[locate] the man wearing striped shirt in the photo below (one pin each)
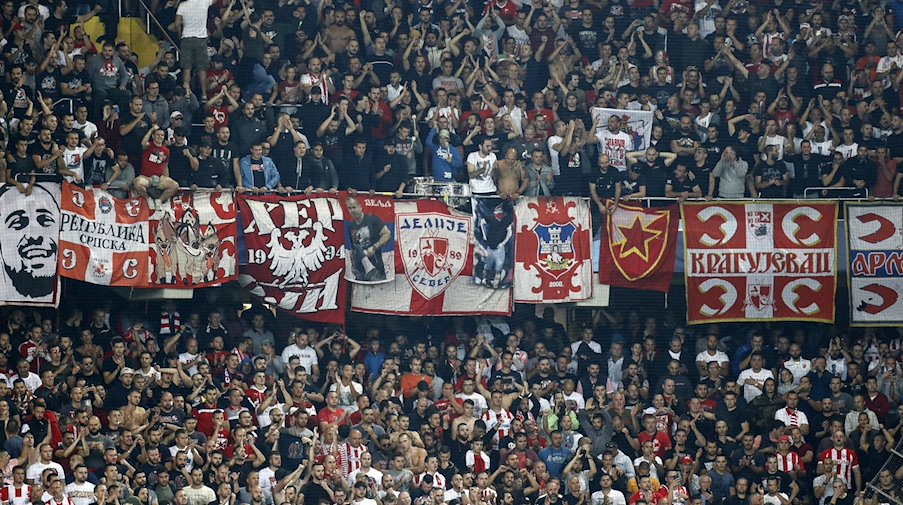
(844, 461)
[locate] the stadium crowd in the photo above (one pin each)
(748, 99)
(762, 99)
(191, 407)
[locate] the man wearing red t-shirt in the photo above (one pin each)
(203, 413)
(155, 166)
(332, 414)
(661, 442)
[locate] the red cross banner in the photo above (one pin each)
(553, 261)
(103, 240)
(638, 248)
(296, 254)
(774, 261)
(434, 268)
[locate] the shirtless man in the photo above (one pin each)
(338, 33)
(512, 180)
(414, 456)
(466, 419)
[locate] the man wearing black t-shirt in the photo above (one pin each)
(606, 185)
(633, 186)
(806, 169)
(653, 164)
(681, 186)
(771, 175)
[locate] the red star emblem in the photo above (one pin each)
(637, 237)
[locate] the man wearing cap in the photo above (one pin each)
(446, 158)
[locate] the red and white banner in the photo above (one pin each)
(103, 240)
(638, 248)
(434, 268)
(875, 268)
(760, 261)
(553, 262)
(296, 254)
(193, 240)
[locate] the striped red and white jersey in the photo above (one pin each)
(501, 419)
(789, 462)
(349, 458)
(845, 460)
(12, 495)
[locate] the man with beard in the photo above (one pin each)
(368, 236)
(27, 247)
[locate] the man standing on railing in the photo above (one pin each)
(191, 22)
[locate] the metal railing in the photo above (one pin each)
(152, 21)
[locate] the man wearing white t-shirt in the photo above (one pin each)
(556, 143)
(480, 169)
(305, 353)
(615, 143)
(80, 491)
(374, 476)
(711, 353)
(74, 157)
(191, 20)
(753, 378)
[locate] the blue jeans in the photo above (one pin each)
(261, 81)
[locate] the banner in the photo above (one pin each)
(760, 261)
(103, 240)
(29, 242)
(636, 123)
(875, 239)
(638, 248)
(369, 238)
(493, 252)
(193, 240)
(553, 259)
(434, 268)
(296, 254)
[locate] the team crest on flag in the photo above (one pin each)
(432, 262)
(759, 222)
(434, 268)
(556, 248)
(759, 296)
(638, 248)
(553, 260)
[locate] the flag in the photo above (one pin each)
(493, 252)
(636, 123)
(760, 261)
(29, 242)
(369, 238)
(193, 240)
(875, 269)
(295, 254)
(638, 248)
(434, 268)
(103, 240)
(553, 260)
